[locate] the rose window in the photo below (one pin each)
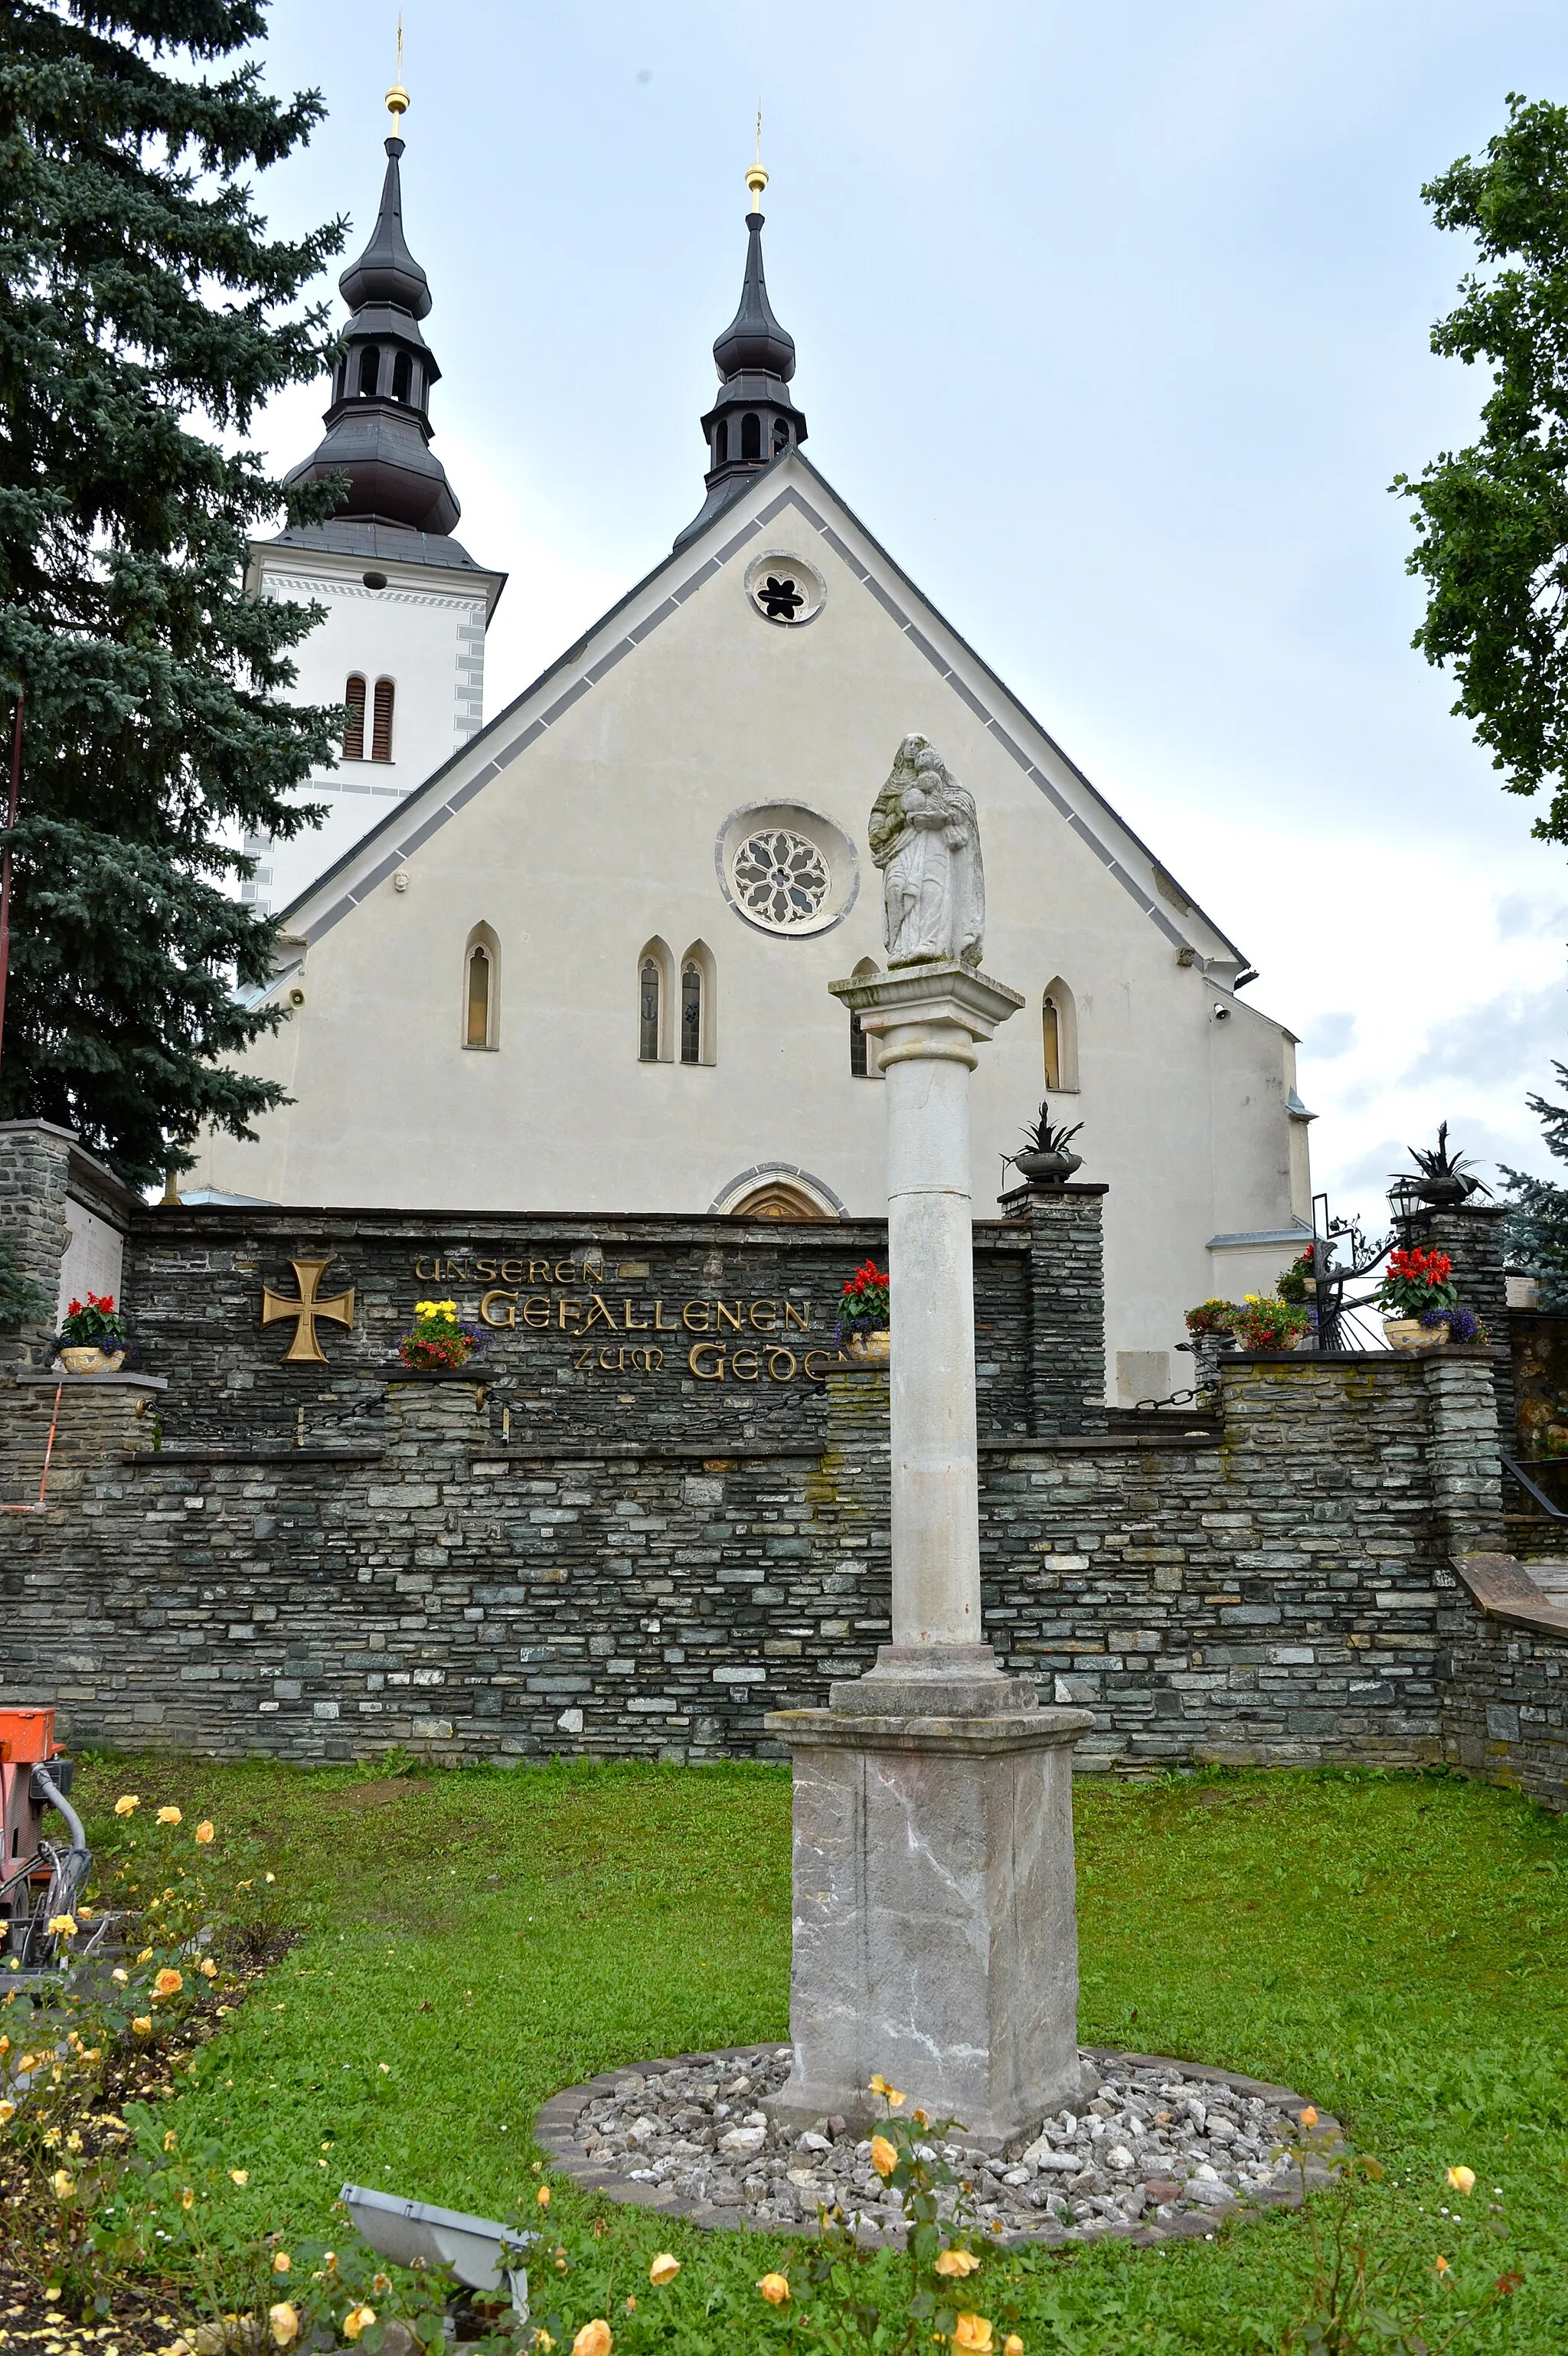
(780, 878)
(779, 598)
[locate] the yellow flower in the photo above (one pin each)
(542, 2342)
(957, 2262)
(974, 2331)
(123, 1977)
(142, 2024)
(7, 2113)
(145, 1956)
(207, 1968)
(884, 2159)
(282, 2262)
(1463, 2180)
(202, 1833)
(238, 2176)
(1012, 2345)
(878, 2084)
(284, 2323)
(595, 2338)
(774, 2289)
(61, 1926)
(894, 2098)
(170, 2140)
(380, 2282)
(169, 1816)
(127, 1804)
(542, 2196)
(187, 2198)
(1444, 2267)
(85, 1913)
(1309, 2116)
(62, 2183)
(168, 1983)
(663, 2269)
(357, 2319)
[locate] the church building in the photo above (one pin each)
(576, 959)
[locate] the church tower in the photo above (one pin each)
(408, 608)
(754, 418)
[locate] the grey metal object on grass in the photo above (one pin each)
(476, 2248)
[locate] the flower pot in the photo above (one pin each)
(1408, 1333)
(87, 1358)
(436, 1357)
(868, 1349)
(1442, 1193)
(1045, 1169)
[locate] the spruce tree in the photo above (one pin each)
(144, 315)
(1538, 1208)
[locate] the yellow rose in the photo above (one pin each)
(885, 2157)
(1444, 2267)
(1012, 2345)
(62, 2184)
(61, 1926)
(145, 1956)
(283, 2320)
(974, 2331)
(204, 1833)
(282, 2262)
(957, 2262)
(1309, 2116)
(168, 1983)
(542, 2196)
(1463, 2180)
(169, 1816)
(357, 2319)
(142, 2024)
(594, 2340)
(127, 1804)
(238, 2176)
(663, 2269)
(774, 2289)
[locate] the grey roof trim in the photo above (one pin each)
(507, 747)
(1263, 1235)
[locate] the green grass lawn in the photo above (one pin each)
(1397, 1948)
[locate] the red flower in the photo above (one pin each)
(73, 1309)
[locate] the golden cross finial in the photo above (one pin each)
(304, 1349)
(398, 97)
(756, 179)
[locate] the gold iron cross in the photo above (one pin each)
(304, 1349)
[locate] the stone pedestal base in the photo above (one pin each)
(935, 1925)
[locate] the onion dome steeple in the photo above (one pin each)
(378, 428)
(754, 420)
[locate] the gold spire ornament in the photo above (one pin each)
(398, 97)
(756, 179)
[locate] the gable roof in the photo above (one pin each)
(776, 492)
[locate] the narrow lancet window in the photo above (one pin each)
(1051, 1020)
(402, 375)
(354, 735)
(691, 1013)
(750, 435)
(381, 731)
(648, 1012)
(369, 369)
(478, 1027)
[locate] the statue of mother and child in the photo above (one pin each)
(925, 837)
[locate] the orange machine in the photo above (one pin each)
(40, 1877)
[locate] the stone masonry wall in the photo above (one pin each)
(35, 1173)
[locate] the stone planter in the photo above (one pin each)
(1408, 1333)
(868, 1349)
(1047, 1169)
(87, 1358)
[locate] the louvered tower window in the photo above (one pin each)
(354, 735)
(381, 729)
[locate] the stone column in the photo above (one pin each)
(934, 1931)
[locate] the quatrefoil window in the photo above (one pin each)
(780, 879)
(778, 595)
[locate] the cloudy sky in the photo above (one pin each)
(1113, 325)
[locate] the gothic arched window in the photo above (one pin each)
(690, 1012)
(750, 435)
(402, 375)
(481, 992)
(369, 369)
(354, 735)
(1059, 1028)
(382, 726)
(649, 994)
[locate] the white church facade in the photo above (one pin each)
(583, 965)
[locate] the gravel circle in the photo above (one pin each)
(1164, 2149)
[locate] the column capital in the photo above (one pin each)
(935, 1001)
